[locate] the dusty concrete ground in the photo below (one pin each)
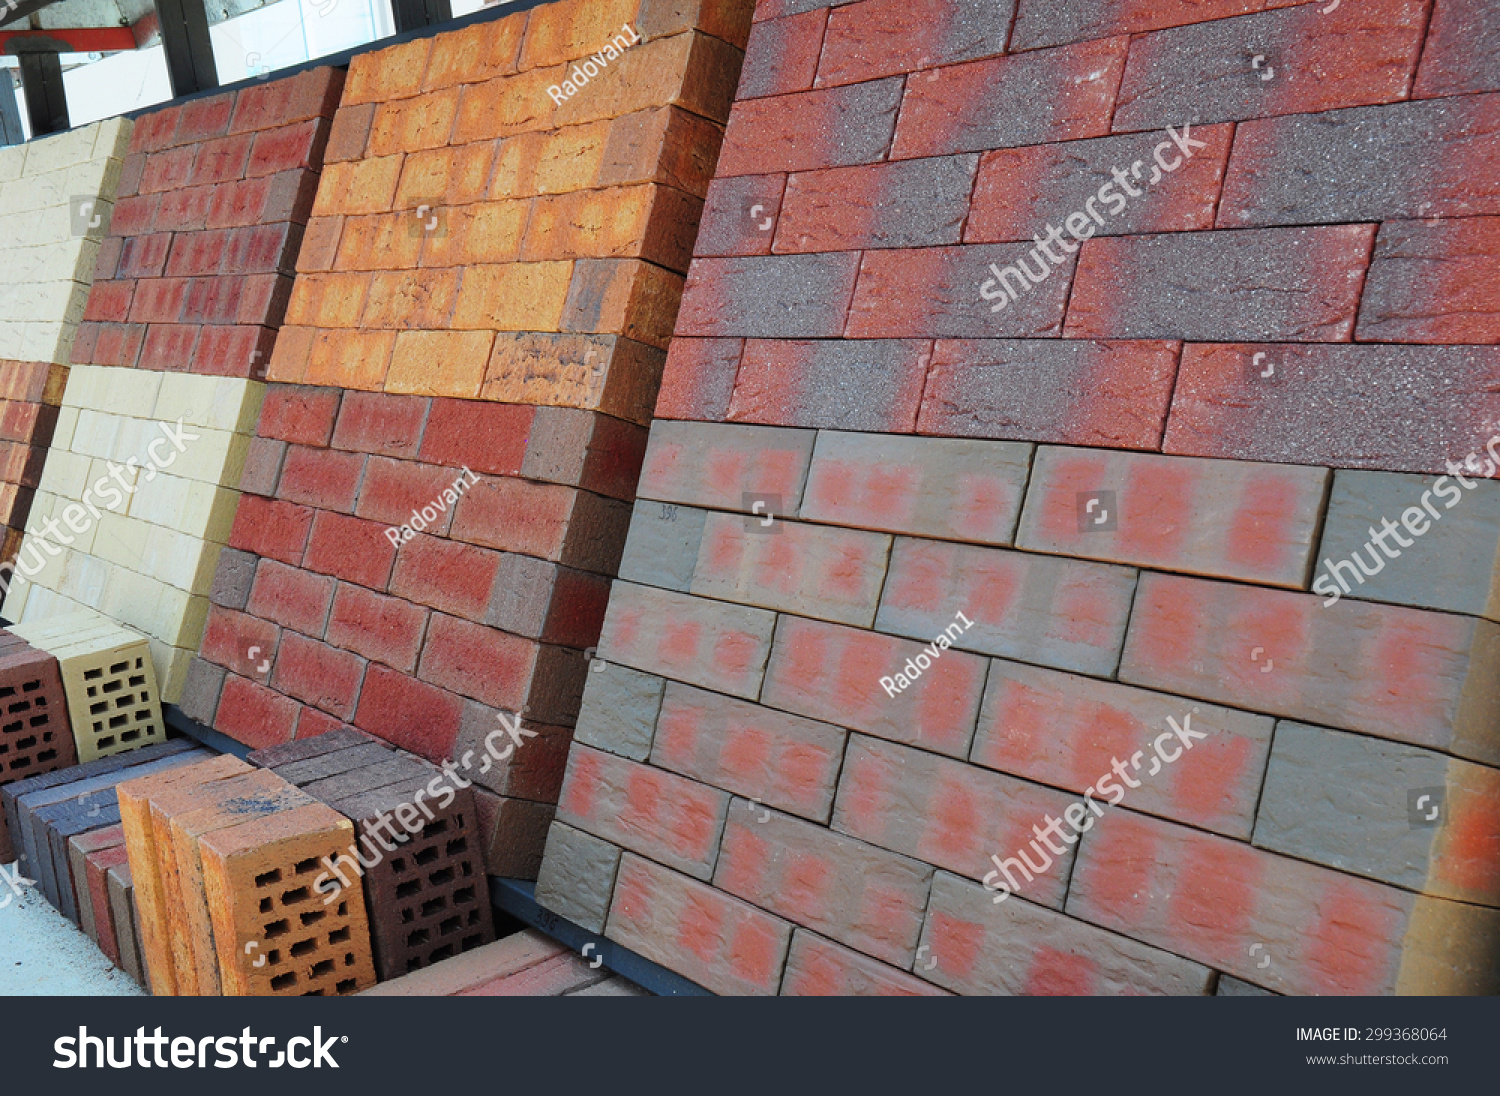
(43, 955)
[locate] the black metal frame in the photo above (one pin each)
(416, 14)
(185, 41)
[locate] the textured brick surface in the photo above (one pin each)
(1253, 522)
(846, 889)
(1062, 613)
(1019, 948)
(1355, 803)
(1450, 566)
(1426, 282)
(1276, 284)
(1346, 406)
(1073, 392)
(816, 967)
(920, 805)
(578, 875)
(1315, 61)
(1067, 731)
(1325, 932)
(1365, 164)
(720, 942)
(883, 347)
(1406, 674)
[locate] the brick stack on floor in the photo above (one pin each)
(65, 826)
(416, 848)
(934, 562)
(524, 964)
(138, 492)
(56, 194)
(438, 492)
(226, 859)
(36, 736)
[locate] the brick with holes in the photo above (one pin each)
(35, 736)
(136, 797)
(260, 881)
(428, 896)
(256, 794)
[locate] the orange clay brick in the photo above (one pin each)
(381, 241)
(625, 297)
(515, 297)
(320, 243)
(448, 176)
(135, 798)
(233, 802)
(574, 29)
(387, 74)
(595, 372)
(439, 363)
(552, 162)
(406, 299)
(590, 224)
(309, 947)
(479, 52)
(358, 186)
(410, 125)
(290, 355)
(485, 232)
(350, 359)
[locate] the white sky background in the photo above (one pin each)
(269, 38)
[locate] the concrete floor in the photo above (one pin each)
(43, 955)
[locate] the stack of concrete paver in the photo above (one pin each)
(1051, 572)
(524, 964)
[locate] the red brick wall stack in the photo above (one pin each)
(488, 282)
(1111, 490)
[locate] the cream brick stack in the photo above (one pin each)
(149, 561)
(47, 253)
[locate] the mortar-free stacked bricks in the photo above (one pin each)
(427, 895)
(35, 735)
(225, 858)
(747, 803)
(65, 828)
(138, 492)
(439, 490)
(56, 194)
